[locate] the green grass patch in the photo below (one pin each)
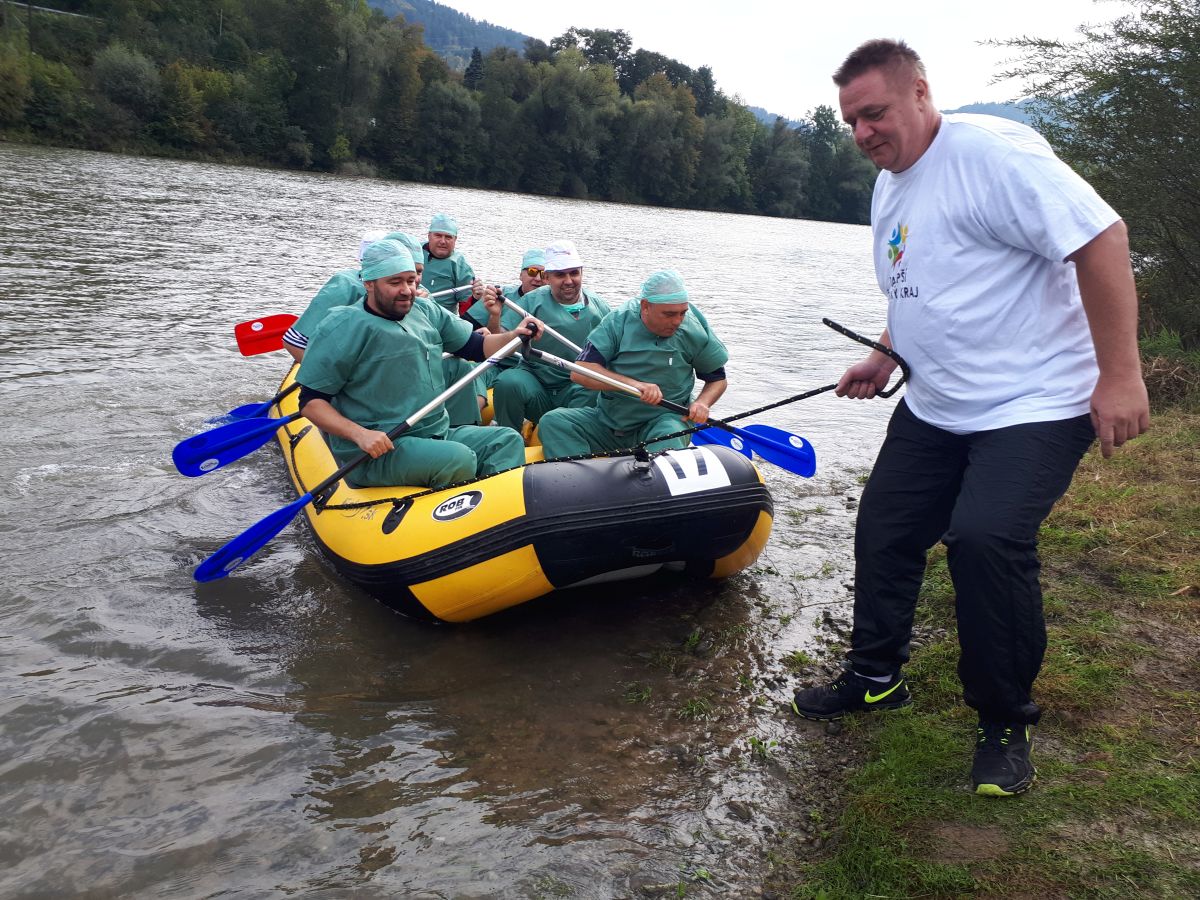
(1116, 809)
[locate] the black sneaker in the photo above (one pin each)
(850, 693)
(1002, 766)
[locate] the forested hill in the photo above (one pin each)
(450, 33)
(335, 85)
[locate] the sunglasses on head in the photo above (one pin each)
(535, 272)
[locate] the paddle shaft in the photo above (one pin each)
(421, 413)
(605, 379)
(266, 407)
(550, 331)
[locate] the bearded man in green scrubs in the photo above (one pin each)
(343, 287)
(659, 344)
(371, 365)
(531, 389)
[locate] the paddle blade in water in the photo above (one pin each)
(249, 542)
(247, 411)
(253, 410)
(784, 449)
(724, 438)
(262, 335)
(210, 450)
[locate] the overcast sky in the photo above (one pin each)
(779, 54)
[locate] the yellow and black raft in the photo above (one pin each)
(468, 551)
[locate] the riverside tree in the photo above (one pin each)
(1121, 104)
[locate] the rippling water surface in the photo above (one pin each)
(279, 732)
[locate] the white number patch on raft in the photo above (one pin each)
(457, 506)
(692, 470)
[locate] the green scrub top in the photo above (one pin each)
(632, 350)
(576, 326)
(342, 289)
(508, 321)
(509, 318)
(381, 371)
(440, 274)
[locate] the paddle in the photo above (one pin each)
(263, 335)
(250, 541)
(724, 438)
(794, 454)
(209, 451)
(266, 334)
(550, 331)
(253, 410)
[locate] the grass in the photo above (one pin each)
(697, 709)
(1116, 809)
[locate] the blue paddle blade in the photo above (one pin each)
(724, 438)
(249, 542)
(210, 450)
(248, 411)
(784, 449)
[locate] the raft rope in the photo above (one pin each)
(638, 451)
(321, 504)
(840, 329)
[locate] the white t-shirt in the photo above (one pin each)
(969, 249)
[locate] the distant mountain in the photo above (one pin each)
(449, 33)
(1018, 112)
(768, 118)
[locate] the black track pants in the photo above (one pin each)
(985, 495)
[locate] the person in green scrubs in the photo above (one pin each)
(371, 365)
(342, 288)
(502, 318)
(657, 343)
(446, 267)
(531, 389)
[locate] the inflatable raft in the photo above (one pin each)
(465, 552)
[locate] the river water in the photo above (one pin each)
(279, 732)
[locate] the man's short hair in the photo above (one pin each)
(880, 53)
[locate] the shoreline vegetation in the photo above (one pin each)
(336, 86)
(1116, 809)
(339, 87)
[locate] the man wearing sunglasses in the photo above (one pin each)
(531, 277)
(501, 318)
(529, 390)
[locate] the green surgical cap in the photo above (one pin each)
(384, 258)
(445, 224)
(414, 246)
(664, 287)
(533, 258)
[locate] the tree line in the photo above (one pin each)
(338, 86)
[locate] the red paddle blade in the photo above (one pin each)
(263, 335)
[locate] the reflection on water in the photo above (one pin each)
(279, 732)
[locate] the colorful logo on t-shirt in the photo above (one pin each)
(897, 242)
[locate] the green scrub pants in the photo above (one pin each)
(571, 432)
(468, 451)
(517, 395)
(463, 407)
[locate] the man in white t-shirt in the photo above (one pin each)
(1011, 296)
